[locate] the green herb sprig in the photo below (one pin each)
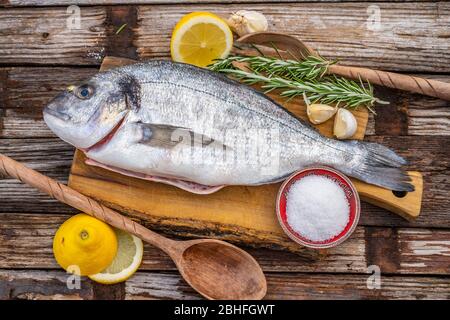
(300, 78)
(312, 67)
(121, 28)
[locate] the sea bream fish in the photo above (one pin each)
(198, 130)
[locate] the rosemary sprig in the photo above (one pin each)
(328, 90)
(300, 78)
(312, 67)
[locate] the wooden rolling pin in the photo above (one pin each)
(428, 87)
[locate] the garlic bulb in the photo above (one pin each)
(345, 124)
(244, 22)
(319, 113)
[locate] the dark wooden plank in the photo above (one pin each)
(412, 114)
(422, 248)
(42, 36)
(318, 286)
(27, 244)
(12, 3)
(382, 249)
(41, 285)
(3, 94)
(36, 284)
(391, 119)
(24, 126)
(402, 250)
(300, 286)
(49, 156)
(337, 30)
(413, 36)
(27, 240)
(15, 196)
(427, 116)
(53, 285)
(427, 153)
(28, 89)
(167, 286)
(25, 91)
(122, 44)
(428, 156)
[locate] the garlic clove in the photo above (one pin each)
(244, 22)
(345, 124)
(319, 113)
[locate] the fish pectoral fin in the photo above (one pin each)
(160, 135)
(168, 136)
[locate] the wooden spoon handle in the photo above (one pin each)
(432, 88)
(77, 200)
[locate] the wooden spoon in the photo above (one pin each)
(292, 48)
(216, 269)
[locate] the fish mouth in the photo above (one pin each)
(56, 114)
(106, 138)
(55, 107)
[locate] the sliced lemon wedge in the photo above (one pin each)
(199, 38)
(128, 259)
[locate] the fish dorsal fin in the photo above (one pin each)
(168, 136)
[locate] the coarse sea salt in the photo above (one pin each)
(317, 208)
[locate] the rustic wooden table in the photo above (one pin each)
(40, 55)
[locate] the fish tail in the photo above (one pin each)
(380, 166)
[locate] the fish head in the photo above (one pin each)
(85, 114)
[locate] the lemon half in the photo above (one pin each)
(84, 244)
(199, 38)
(127, 261)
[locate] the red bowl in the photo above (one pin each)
(352, 198)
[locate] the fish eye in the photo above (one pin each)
(84, 92)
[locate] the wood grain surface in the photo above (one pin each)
(39, 284)
(413, 36)
(39, 57)
(18, 3)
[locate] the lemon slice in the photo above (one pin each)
(126, 262)
(199, 38)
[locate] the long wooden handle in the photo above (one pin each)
(77, 200)
(405, 204)
(432, 88)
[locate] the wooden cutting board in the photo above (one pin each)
(236, 213)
